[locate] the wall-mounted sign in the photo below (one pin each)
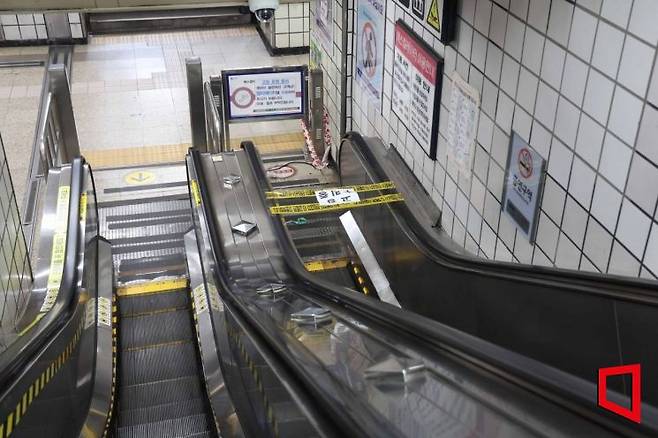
(325, 22)
(370, 46)
(264, 93)
(524, 182)
(418, 7)
(416, 94)
(464, 107)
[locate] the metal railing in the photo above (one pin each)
(55, 143)
(214, 123)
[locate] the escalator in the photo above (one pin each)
(160, 385)
(455, 347)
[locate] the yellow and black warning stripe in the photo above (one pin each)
(308, 193)
(196, 194)
(317, 208)
(150, 287)
(326, 264)
(12, 420)
(115, 348)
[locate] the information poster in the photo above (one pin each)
(371, 20)
(524, 184)
(267, 94)
(325, 22)
(416, 94)
(462, 124)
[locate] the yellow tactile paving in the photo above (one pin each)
(169, 153)
(268, 144)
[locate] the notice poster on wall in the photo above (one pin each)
(416, 94)
(524, 182)
(264, 94)
(371, 20)
(325, 22)
(464, 106)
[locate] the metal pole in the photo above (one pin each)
(59, 86)
(195, 94)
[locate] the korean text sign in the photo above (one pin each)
(265, 95)
(416, 94)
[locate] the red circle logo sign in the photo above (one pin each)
(369, 49)
(525, 163)
(243, 97)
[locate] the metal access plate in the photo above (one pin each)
(244, 228)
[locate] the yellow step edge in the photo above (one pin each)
(152, 287)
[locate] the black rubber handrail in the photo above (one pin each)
(635, 290)
(560, 387)
(22, 352)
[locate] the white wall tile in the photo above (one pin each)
(559, 162)
(514, 38)
(592, 5)
(547, 236)
(11, 33)
(622, 262)
(553, 200)
(519, 8)
(651, 256)
(527, 89)
(615, 160)
(553, 64)
(583, 31)
(643, 20)
(566, 122)
(498, 26)
(633, 228)
(598, 244)
(483, 16)
(568, 255)
(608, 49)
(538, 14)
(598, 96)
(533, 49)
(636, 63)
(546, 105)
(625, 115)
(575, 79)
(559, 24)
(646, 141)
(581, 184)
(617, 11)
(589, 140)
(605, 204)
(574, 221)
(509, 78)
(642, 177)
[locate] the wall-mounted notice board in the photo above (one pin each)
(417, 84)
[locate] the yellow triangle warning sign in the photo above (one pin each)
(433, 17)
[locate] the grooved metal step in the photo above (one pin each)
(158, 393)
(152, 303)
(158, 363)
(162, 412)
(156, 328)
(176, 427)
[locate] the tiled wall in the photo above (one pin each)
(15, 273)
(17, 27)
(330, 56)
(576, 79)
(290, 27)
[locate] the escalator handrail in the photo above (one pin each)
(636, 290)
(570, 391)
(26, 347)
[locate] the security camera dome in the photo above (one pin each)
(264, 15)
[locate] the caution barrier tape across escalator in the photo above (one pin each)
(308, 193)
(317, 208)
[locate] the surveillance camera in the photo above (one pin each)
(263, 9)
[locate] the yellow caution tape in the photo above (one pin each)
(152, 287)
(58, 251)
(196, 194)
(326, 265)
(307, 193)
(83, 206)
(317, 208)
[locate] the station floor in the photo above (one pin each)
(130, 97)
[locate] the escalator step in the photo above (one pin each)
(156, 413)
(157, 328)
(140, 304)
(159, 393)
(177, 427)
(158, 363)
